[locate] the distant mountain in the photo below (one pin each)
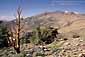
(65, 21)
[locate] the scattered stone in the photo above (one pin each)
(81, 55)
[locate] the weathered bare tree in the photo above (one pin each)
(17, 43)
(16, 30)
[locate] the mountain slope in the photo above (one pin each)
(66, 22)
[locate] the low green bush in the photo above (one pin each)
(40, 35)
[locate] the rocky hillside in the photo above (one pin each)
(64, 21)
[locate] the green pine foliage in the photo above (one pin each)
(40, 34)
(3, 36)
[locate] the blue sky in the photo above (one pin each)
(33, 7)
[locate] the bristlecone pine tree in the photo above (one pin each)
(17, 43)
(16, 31)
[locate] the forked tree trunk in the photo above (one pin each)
(17, 40)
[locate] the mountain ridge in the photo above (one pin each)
(57, 19)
